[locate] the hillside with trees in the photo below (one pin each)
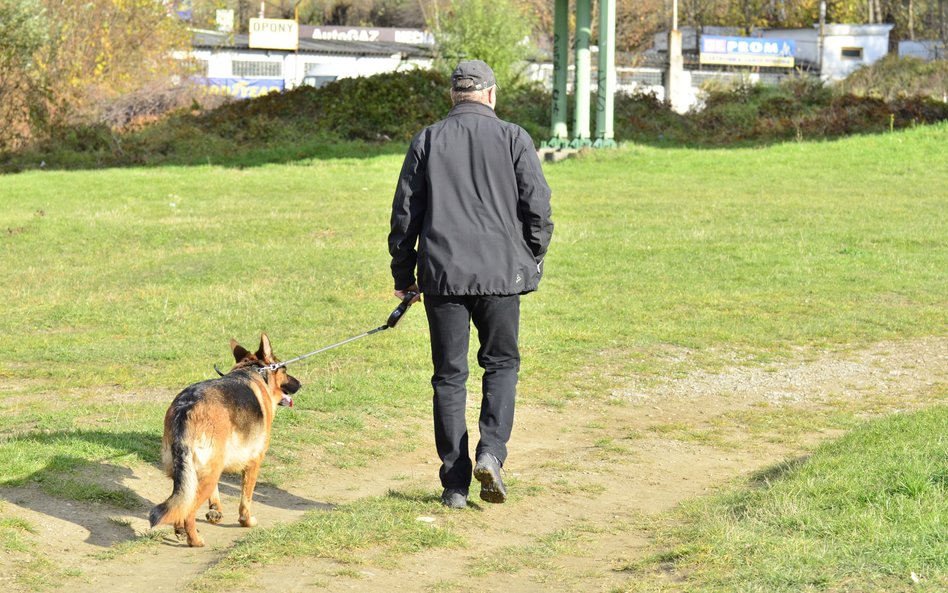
(114, 65)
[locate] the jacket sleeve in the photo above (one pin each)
(408, 212)
(534, 197)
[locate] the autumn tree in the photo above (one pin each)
(102, 49)
(23, 31)
(64, 62)
(374, 13)
(636, 22)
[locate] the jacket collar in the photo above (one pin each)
(471, 107)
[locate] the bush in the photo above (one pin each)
(390, 106)
(386, 106)
(802, 108)
(642, 117)
(528, 106)
(893, 78)
(381, 113)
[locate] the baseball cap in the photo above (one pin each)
(472, 75)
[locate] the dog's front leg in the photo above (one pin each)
(246, 494)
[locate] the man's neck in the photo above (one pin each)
(473, 102)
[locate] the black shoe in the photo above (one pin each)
(454, 498)
(487, 472)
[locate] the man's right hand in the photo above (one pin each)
(401, 294)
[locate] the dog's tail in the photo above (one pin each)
(177, 506)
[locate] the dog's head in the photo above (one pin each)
(286, 385)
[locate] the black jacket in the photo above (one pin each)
(472, 194)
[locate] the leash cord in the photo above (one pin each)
(392, 320)
(278, 365)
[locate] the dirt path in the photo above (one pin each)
(585, 480)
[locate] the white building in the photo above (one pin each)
(229, 66)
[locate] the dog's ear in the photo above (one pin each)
(264, 352)
(240, 353)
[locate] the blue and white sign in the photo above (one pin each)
(747, 51)
(242, 88)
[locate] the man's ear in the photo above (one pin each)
(240, 353)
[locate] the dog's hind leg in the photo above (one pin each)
(190, 526)
(246, 493)
(207, 486)
(214, 514)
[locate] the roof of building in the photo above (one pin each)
(217, 40)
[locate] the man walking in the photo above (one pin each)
(471, 195)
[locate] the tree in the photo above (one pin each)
(376, 13)
(497, 32)
(102, 49)
(637, 21)
(65, 62)
(23, 31)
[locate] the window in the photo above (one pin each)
(256, 69)
(317, 81)
(851, 53)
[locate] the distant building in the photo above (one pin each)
(845, 47)
(228, 65)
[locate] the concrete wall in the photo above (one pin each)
(806, 38)
(650, 80)
(927, 50)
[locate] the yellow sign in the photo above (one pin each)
(274, 34)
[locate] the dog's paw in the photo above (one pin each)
(196, 542)
(214, 516)
(180, 532)
(248, 521)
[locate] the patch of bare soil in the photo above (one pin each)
(585, 480)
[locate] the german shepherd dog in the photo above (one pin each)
(216, 426)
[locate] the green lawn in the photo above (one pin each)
(122, 286)
(867, 512)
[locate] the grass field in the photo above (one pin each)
(864, 513)
(121, 286)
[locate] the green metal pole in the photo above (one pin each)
(581, 136)
(606, 91)
(558, 127)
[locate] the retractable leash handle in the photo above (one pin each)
(400, 310)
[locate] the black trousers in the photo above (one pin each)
(497, 319)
